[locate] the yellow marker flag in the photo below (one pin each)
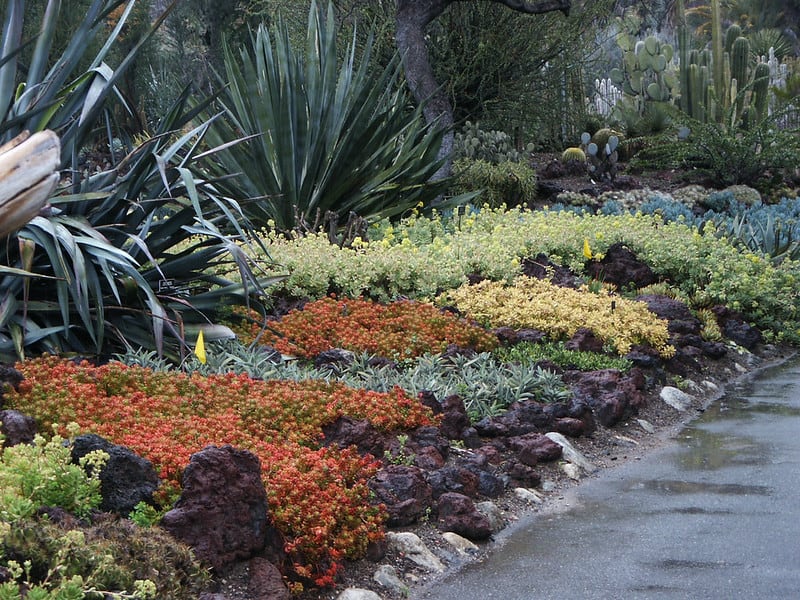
(200, 348)
(587, 251)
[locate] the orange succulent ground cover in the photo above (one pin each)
(398, 330)
(318, 496)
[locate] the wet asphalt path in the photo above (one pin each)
(715, 516)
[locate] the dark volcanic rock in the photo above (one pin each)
(454, 417)
(533, 448)
(345, 431)
(584, 340)
(526, 475)
(404, 491)
(125, 480)
(680, 317)
(457, 513)
(612, 395)
(16, 427)
(735, 328)
(621, 267)
(453, 478)
(9, 377)
(266, 581)
(222, 511)
(541, 267)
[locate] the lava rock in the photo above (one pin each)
(453, 478)
(17, 428)
(222, 510)
(266, 581)
(457, 513)
(125, 480)
(454, 417)
(534, 448)
(404, 491)
(621, 267)
(345, 432)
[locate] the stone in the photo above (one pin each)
(533, 448)
(457, 513)
(345, 432)
(569, 426)
(453, 478)
(125, 480)
(404, 491)
(222, 510)
(570, 453)
(677, 399)
(461, 544)
(523, 474)
(572, 471)
(358, 594)
(493, 513)
(646, 425)
(612, 395)
(621, 267)
(386, 576)
(412, 547)
(16, 427)
(454, 417)
(527, 495)
(266, 581)
(584, 340)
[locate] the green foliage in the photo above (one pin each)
(42, 474)
(507, 183)
(761, 155)
(323, 135)
(99, 561)
(121, 250)
(527, 353)
(54, 560)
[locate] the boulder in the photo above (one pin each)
(533, 448)
(266, 581)
(345, 432)
(621, 267)
(457, 513)
(16, 428)
(222, 510)
(125, 480)
(404, 491)
(453, 478)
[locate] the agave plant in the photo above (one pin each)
(125, 257)
(326, 137)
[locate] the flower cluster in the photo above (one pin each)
(318, 497)
(398, 330)
(560, 311)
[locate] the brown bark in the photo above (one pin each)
(413, 18)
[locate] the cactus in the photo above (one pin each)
(492, 146)
(761, 90)
(740, 57)
(573, 154)
(602, 154)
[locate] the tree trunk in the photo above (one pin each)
(413, 18)
(28, 176)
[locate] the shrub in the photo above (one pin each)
(527, 353)
(561, 312)
(507, 183)
(325, 134)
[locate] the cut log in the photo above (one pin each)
(28, 177)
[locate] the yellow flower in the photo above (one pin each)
(587, 251)
(200, 348)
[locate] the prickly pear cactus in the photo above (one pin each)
(491, 146)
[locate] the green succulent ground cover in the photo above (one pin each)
(423, 255)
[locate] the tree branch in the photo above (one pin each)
(535, 8)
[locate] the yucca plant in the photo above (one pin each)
(325, 136)
(122, 259)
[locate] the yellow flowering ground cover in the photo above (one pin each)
(559, 311)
